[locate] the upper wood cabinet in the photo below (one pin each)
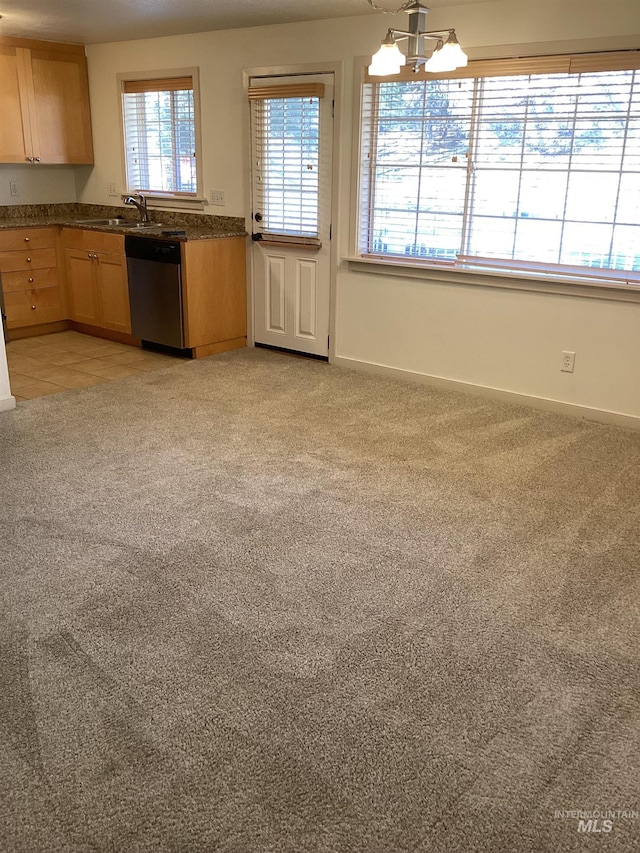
(44, 103)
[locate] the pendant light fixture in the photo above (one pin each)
(446, 54)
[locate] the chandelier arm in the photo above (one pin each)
(436, 35)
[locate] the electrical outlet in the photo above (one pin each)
(13, 189)
(111, 188)
(568, 362)
(217, 197)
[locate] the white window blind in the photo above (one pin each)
(285, 123)
(159, 131)
(530, 169)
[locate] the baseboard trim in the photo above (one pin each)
(220, 346)
(35, 331)
(585, 413)
(105, 334)
(7, 404)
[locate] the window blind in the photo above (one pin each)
(285, 126)
(531, 161)
(159, 131)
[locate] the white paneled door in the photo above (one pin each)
(291, 139)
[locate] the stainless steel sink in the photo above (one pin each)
(142, 226)
(118, 222)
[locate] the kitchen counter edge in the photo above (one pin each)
(191, 232)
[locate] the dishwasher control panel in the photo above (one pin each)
(152, 249)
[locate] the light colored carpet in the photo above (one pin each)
(256, 603)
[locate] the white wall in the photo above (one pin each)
(481, 336)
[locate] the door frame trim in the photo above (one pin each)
(335, 68)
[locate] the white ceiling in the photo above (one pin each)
(98, 21)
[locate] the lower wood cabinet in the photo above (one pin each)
(97, 285)
(28, 264)
(214, 294)
(51, 276)
(32, 307)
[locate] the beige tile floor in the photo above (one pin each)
(50, 364)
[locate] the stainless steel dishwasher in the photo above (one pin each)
(155, 290)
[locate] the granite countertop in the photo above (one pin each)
(196, 226)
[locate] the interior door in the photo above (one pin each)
(292, 136)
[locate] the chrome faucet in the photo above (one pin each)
(141, 203)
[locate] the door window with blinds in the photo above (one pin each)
(160, 135)
(519, 164)
(285, 129)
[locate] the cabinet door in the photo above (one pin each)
(81, 282)
(113, 290)
(61, 128)
(15, 132)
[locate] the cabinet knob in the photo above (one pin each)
(26, 239)
(30, 159)
(33, 307)
(95, 257)
(88, 254)
(28, 260)
(30, 279)
(37, 159)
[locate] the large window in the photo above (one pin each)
(521, 164)
(160, 136)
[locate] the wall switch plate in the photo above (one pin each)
(217, 197)
(112, 189)
(568, 362)
(13, 189)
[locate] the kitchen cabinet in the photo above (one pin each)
(44, 103)
(28, 263)
(214, 294)
(96, 274)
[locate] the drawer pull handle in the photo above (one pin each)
(30, 279)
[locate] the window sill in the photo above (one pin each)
(526, 280)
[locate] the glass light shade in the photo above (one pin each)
(388, 60)
(447, 56)
(438, 60)
(454, 52)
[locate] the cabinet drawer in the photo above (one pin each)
(27, 259)
(94, 241)
(27, 238)
(29, 279)
(31, 307)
